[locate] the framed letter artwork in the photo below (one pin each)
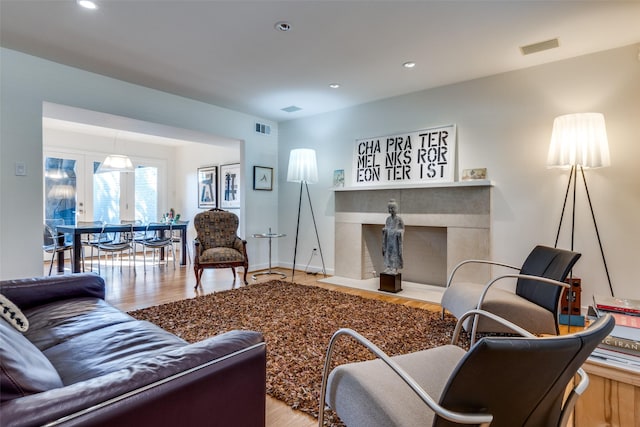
(230, 186)
(208, 187)
(262, 178)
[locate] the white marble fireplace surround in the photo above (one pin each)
(444, 224)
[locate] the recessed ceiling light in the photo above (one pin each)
(283, 26)
(409, 64)
(87, 4)
(334, 85)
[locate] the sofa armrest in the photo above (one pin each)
(209, 380)
(27, 293)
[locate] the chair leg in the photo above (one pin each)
(53, 256)
(198, 276)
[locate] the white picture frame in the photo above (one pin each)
(230, 186)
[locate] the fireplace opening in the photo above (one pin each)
(424, 253)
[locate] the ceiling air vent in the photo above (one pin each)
(539, 47)
(291, 109)
(263, 129)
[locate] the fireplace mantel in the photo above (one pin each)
(471, 183)
(459, 210)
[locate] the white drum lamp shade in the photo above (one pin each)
(579, 140)
(302, 166)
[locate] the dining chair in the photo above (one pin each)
(158, 240)
(177, 240)
(54, 242)
(90, 240)
(116, 242)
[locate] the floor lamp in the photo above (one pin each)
(579, 141)
(304, 169)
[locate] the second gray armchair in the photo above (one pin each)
(533, 306)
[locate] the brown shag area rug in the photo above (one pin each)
(297, 322)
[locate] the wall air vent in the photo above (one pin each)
(539, 47)
(291, 109)
(263, 129)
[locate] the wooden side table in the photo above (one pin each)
(612, 398)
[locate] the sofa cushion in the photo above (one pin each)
(24, 369)
(60, 321)
(110, 349)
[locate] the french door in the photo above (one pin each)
(74, 191)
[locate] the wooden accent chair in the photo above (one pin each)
(500, 381)
(217, 244)
(533, 306)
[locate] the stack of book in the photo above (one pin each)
(622, 346)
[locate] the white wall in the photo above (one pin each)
(26, 82)
(504, 124)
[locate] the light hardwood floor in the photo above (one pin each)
(130, 290)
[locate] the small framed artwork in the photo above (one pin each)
(230, 186)
(208, 187)
(338, 178)
(473, 174)
(262, 178)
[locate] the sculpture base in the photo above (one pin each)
(390, 282)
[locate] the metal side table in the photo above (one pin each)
(269, 236)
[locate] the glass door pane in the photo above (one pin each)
(60, 189)
(106, 196)
(146, 194)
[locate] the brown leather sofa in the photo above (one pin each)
(84, 362)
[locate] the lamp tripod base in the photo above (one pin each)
(266, 273)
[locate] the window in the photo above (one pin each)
(110, 196)
(106, 196)
(146, 194)
(114, 193)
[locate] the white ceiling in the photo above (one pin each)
(228, 53)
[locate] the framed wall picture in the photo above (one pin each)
(262, 178)
(230, 181)
(338, 178)
(208, 187)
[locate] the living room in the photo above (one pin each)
(503, 121)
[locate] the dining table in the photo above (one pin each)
(78, 230)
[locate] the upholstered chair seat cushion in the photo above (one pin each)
(504, 303)
(368, 394)
(220, 255)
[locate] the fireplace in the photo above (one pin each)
(444, 225)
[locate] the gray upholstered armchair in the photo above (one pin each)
(533, 306)
(500, 381)
(217, 244)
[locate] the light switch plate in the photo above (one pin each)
(21, 169)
